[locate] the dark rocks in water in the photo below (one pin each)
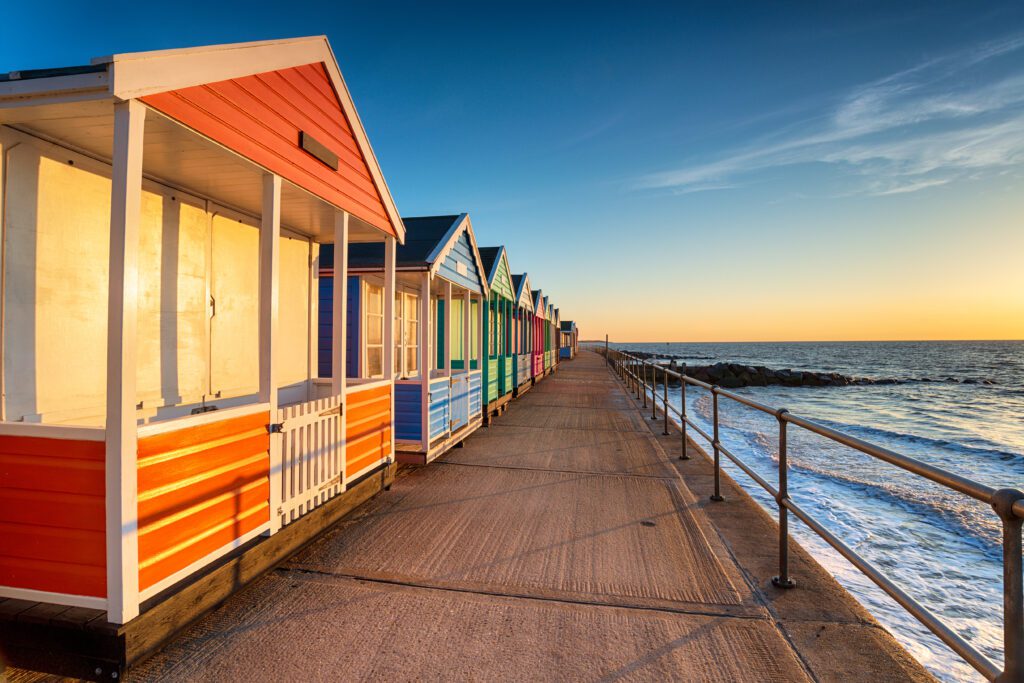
(736, 375)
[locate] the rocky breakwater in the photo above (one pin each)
(736, 375)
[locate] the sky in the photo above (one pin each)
(682, 171)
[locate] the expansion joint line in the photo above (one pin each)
(566, 600)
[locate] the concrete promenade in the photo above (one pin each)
(565, 542)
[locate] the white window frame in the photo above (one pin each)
(364, 323)
(404, 297)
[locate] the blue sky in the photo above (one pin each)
(699, 171)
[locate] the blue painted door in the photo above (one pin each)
(460, 400)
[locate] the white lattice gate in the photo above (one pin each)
(312, 456)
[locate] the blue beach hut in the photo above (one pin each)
(522, 363)
(440, 289)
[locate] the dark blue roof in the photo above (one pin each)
(567, 325)
(422, 235)
(488, 255)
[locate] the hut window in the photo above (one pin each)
(407, 334)
(474, 329)
(373, 326)
(492, 342)
(456, 328)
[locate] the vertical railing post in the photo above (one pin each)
(783, 580)
(682, 414)
(717, 495)
(1013, 588)
(654, 392)
(643, 382)
(664, 400)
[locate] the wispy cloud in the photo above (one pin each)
(922, 127)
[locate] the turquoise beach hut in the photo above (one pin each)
(440, 289)
(499, 379)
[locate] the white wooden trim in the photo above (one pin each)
(339, 312)
(269, 300)
(313, 318)
(425, 362)
(43, 431)
(177, 576)
(445, 246)
(53, 598)
(5, 147)
(146, 73)
(389, 308)
(210, 417)
(122, 503)
(467, 318)
(54, 90)
(358, 385)
(448, 309)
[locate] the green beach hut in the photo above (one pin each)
(499, 377)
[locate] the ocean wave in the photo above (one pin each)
(954, 512)
(877, 432)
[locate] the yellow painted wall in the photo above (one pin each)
(55, 313)
(293, 312)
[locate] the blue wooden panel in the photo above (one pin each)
(462, 253)
(459, 401)
(325, 326)
(475, 394)
(408, 415)
(325, 316)
(523, 368)
(352, 334)
(439, 408)
(565, 352)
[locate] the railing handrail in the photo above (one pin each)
(1007, 503)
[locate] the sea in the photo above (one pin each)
(956, 405)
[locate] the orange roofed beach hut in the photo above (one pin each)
(162, 219)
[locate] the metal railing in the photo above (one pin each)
(1007, 503)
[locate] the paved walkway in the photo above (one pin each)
(561, 543)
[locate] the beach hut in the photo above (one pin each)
(440, 286)
(539, 325)
(570, 340)
(549, 336)
(162, 217)
(556, 337)
(499, 379)
(522, 361)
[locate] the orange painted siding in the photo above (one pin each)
(200, 488)
(367, 428)
(260, 117)
(52, 515)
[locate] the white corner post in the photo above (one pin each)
(122, 485)
(449, 313)
(313, 319)
(481, 302)
(467, 308)
(3, 184)
(270, 297)
(389, 308)
(424, 363)
(339, 329)
(390, 247)
(339, 303)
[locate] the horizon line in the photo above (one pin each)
(803, 341)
